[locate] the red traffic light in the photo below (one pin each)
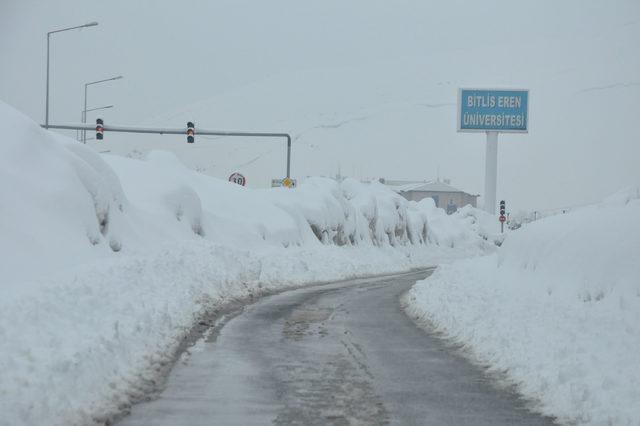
(99, 129)
(191, 130)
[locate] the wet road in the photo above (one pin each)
(339, 354)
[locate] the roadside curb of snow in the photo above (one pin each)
(499, 379)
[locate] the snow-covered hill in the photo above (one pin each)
(398, 121)
(107, 262)
(557, 310)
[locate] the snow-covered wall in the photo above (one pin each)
(107, 262)
(557, 309)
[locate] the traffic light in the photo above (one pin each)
(502, 208)
(99, 128)
(191, 130)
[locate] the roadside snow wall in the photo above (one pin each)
(557, 309)
(106, 263)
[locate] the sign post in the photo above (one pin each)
(492, 111)
(491, 172)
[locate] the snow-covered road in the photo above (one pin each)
(338, 354)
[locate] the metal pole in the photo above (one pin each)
(46, 108)
(491, 173)
(78, 131)
(166, 131)
(99, 108)
(46, 114)
(288, 156)
(84, 110)
(84, 115)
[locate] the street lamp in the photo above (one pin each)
(84, 110)
(90, 24)
(96, 109)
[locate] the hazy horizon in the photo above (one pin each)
(365, 87)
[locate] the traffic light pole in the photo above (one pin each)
(168, 131)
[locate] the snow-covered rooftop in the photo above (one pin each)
(428, 186)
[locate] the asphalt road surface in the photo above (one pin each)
(342, 354)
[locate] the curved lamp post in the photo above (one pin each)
(84, 110)
(90, 24)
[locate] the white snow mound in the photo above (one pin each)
(557, 309)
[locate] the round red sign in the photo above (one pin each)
(238, 178)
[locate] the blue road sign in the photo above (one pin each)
(493, 110)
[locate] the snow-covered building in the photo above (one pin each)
(444, 195)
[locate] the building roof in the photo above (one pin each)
(432, 186)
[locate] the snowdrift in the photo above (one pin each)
(108, 262)
(557, 309)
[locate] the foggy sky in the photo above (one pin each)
(404, 60)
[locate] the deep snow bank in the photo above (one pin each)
(107, 262)
(55, 198)
(557, 308)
